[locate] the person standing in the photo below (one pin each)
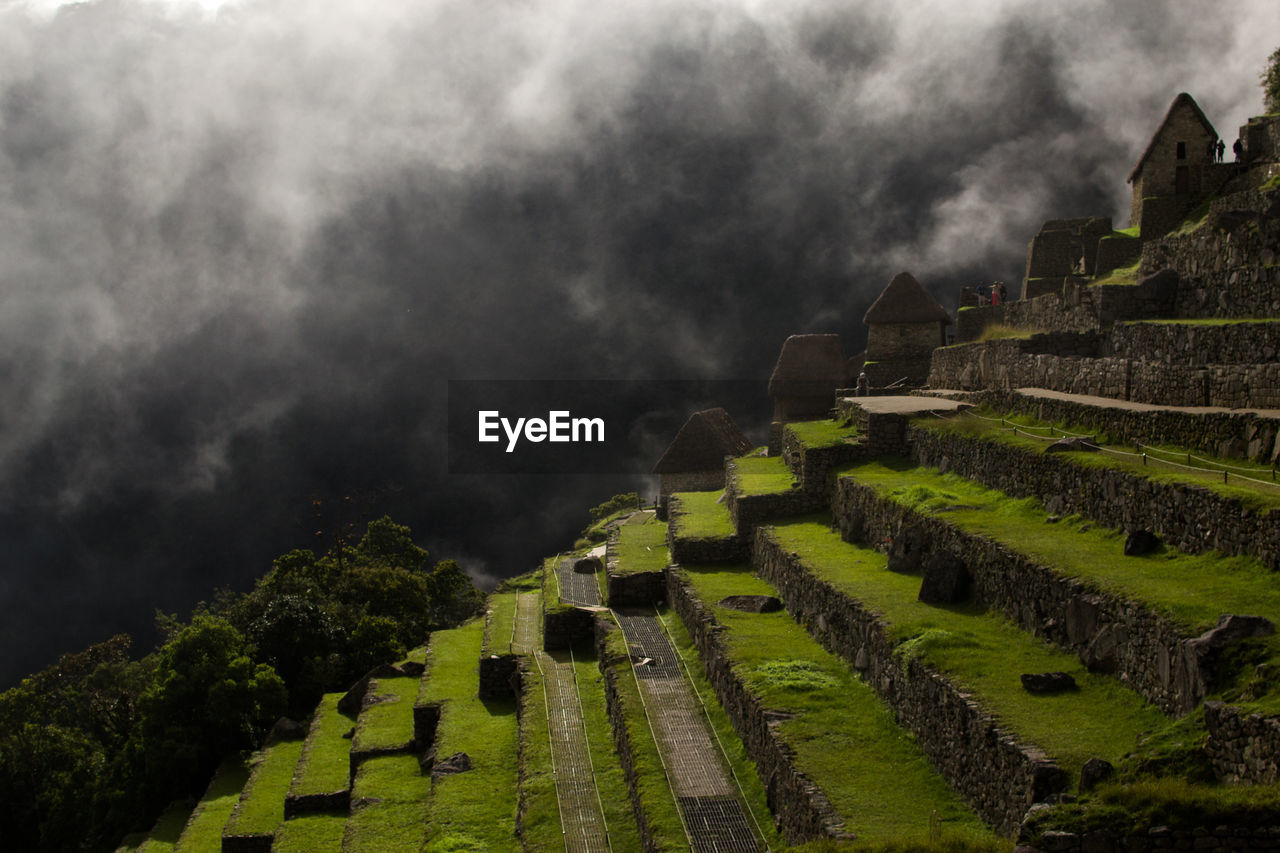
(1222, 150)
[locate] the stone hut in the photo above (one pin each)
(694, 461)
(904, 326)
(809, 370)
(1176, 171)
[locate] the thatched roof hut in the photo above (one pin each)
(905, 301)
(703, 443)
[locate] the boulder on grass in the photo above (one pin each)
(1042, 683)
(751, 603)
(587, 565)
(1094, 772)
(1141, 542)
(459, 762)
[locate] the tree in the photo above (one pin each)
(1271, 84)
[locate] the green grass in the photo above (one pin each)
(1193, 590)
(744, 769)
(325, 766)
(480, 805)
(1131, 231)
(815, 435)
(656, 799)
(610, 782)
(168, 827)
(542, 828)
(642, 547)
(1000, 332)
(1121, 275)
(311, 833)
(703, 516)
(390, 797)
(204, 830)
(261, 806)
(1251, 495)
(762, 475)
(890, 790)
(984, 653)
(501, 622)
(388, 724)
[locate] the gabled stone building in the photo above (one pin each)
(1176, 171)
(904, 325)
(694, 461)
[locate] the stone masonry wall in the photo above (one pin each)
(800, 808)
(1159, 839)
(998, 777)
(690, 550)
(1242, 747)
(631, 589)
(1190, 517)
(749, 511)
(1153, 655)
(1193, 345)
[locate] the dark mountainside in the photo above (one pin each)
(243, 252)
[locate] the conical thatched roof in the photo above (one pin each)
(1183, 101)
(703, 443)
(809, 362)
(905, 301)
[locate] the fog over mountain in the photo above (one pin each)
(243, 248)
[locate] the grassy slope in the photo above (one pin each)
(642, 547)
(479, 805)
(325, 765)
(501, 622)
(763, 475)
(261, 806)
(389, 798)
(311, 833)
(389, 723)
(984, 653)
(703, 516)
(203, 833)
(168, 827)
(890, 791)
(542, 830)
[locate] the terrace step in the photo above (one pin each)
(260, 810)
(322, 779)
(951, 674)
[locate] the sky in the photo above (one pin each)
(244, 245)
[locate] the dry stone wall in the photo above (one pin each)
(1242, 747)
(997, 776)
(1153, 655)
(1160, 839)
(1193, 345)
(801, 809)
(1192, 518)
(631, 589)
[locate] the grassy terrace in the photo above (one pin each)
(203, 833)
(704, 516)
(325, 766)
(762, 475)
(1253, 495)
(642, 547)
(164, 835)
(311, 833)
(477, 807)
(815, 435)
(656, 799)
(261, 806)
(844, 739)
(1194, 590)
(389, 796)
(542, 829)
(500, 624)
(387, 724)
(984, 653)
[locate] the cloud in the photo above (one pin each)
(242, 248)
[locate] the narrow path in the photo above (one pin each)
(581, 813)
(713, 814)
(580, 588)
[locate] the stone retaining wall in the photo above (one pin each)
(801, 809)
(1242, 747)
(1230, 435)
(498, 676)
(813, 467)
(1149, 652)
(998, 777)
(1194, 344)
(564, 627)
(749, 511)
(1190, 517)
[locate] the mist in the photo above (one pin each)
(244, 246)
